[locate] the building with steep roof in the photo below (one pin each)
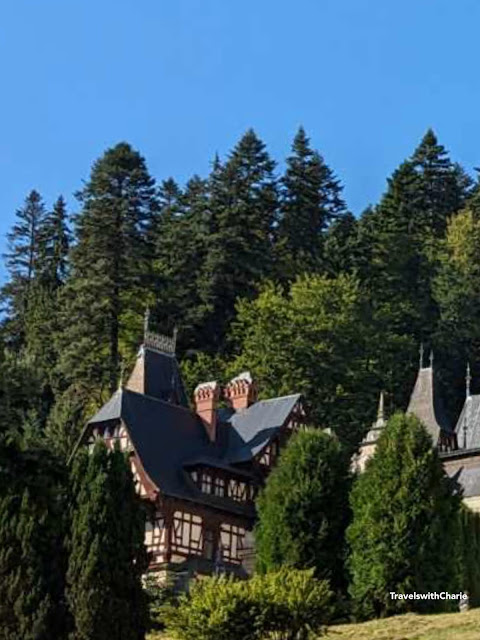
(458, 446)
(200, 468)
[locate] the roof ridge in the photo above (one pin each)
(164, 402)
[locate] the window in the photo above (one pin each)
(219, 487)
(187, 532)
(206, 482)
(232, 541)
(238, 491)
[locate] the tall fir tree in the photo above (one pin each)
(21, 261)
(106, 551)
(181, 249)
(106, 292)
(54, 244)
(396, 256)
(244, 207)
(311, 199)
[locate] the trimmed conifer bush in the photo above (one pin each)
(303, 510)
(404, 533)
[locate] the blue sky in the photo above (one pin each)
(183, 79)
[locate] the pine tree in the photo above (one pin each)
(21, 261)
(243, 202)
(404, 520)
(310, 201)
(107, 555)
(105, 296)
(303, 511)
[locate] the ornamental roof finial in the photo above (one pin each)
(431, 358)
(468, 380)
(146, 321)
(421, 355)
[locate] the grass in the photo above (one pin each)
(448, 626)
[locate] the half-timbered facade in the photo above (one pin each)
(198, 469)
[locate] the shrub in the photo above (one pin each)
(160, 596)
(285, 605)
(303, 510)
(405, 527)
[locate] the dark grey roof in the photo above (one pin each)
(169, 438)
(471, 416)
(426, 404)
(250, 430)
(162, 377)
(468, 479)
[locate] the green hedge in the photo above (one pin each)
(470, 554)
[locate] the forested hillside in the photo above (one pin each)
(256, 269)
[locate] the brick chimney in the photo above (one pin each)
(241, 391)
(206, 396)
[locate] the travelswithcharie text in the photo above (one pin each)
(431, 595)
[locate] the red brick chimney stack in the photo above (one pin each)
(206, 396)
(241, 391)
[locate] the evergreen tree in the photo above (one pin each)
(107, 555)
(456, 289)
(404, 520)
(32, 554)
(106, 293)
(341, 249)
(54, 242)
(303, 510)
(310, 201)
(180, 252)
(243, 204)
(21, 261)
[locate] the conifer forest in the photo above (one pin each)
(260, 266)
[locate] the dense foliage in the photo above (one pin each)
(303, 510)
(404, 535)
(286, 605)
(258, 269)
(106, 552)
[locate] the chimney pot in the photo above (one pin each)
(241, 391)
(206, 397)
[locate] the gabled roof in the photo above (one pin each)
(250, 430)
(169, 438)
(426, 404)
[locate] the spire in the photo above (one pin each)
(381, 410)
(146, 321)
(468, 380)
(421, 355)
(122, 374)
(426, 403)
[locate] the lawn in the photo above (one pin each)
(449, 626)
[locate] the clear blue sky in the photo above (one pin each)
(183, 79)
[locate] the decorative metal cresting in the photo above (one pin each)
(157, 341)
